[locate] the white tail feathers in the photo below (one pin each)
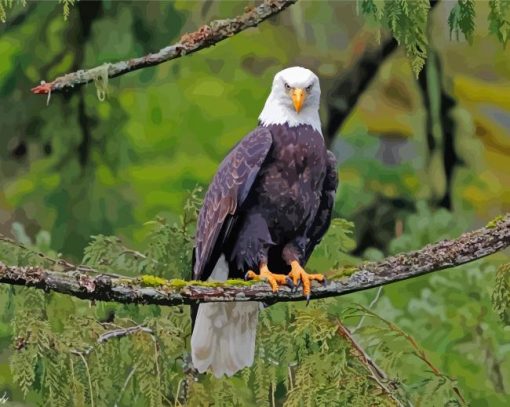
(223, 338)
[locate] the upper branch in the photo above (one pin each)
(353, 82)
(356, 78)
(444, 254)
(204, 37)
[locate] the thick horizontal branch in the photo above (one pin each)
(204, 37)
(152, 290)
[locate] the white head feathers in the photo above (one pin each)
(280, 105)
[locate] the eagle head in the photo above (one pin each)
(294, 99)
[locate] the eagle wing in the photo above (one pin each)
(323, 218)
(227, 192)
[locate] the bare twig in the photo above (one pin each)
(371, 305)
(82, 352)
(444, 254)
(205, 36)
(58, 263)
(418, 351)
(88, 377)
(118, 333)
(399, 229)
(377, 374)
(124, 386)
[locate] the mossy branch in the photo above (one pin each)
(468, 247)
(205, 36)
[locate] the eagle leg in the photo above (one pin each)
(274, 280)
(299, 275)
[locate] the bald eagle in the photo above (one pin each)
(267, 207)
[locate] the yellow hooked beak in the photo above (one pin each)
(298, 97)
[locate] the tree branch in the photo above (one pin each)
(94, 286)
(344, 95)
(204, 37)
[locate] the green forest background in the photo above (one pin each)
(73, 167)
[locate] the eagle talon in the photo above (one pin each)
(301, 277)
(295, 287)
(274, 280)
(324, 282)
(290, 283)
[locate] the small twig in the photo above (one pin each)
(136, 254)
(272, 389)
(88, 376)
(106, 324)
(156, 360)
(205, 36)
(118, 333)
(65, 264)
(375, 371)
(124, 386)
(87, 351)
(370, 306)
(177, 392)
(291, 383)
(59, 262)
(418, 351)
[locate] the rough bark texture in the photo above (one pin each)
(204, 37)
(444, 254)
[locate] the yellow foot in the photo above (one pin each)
(274, 280)
(299, 275)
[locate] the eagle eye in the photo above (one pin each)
(309, 88)
(287, 87)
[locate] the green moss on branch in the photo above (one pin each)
(148, 289)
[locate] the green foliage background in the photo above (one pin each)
(114, 184)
